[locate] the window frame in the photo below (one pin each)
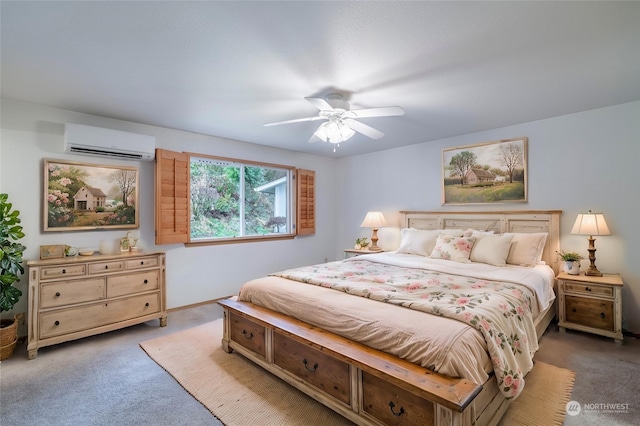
(169, 178)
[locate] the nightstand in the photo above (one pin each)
(591, 304)
(354, 252)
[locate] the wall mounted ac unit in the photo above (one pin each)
(96, 141)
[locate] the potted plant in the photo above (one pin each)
(10, 270)
(361, 243)
(571, 261)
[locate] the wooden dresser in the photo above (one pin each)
(80, 296)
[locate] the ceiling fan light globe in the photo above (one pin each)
(334, 131)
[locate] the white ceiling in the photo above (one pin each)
(226, 68)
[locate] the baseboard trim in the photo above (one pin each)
(195, 305)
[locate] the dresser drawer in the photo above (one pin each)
(51, 272)
(313, 366)
(120, 285)
(103, 267)
(589, 312)
(393, 405)
(71, 292)
(143, 262)
(65, 321)
(585, 288)
(249, 334)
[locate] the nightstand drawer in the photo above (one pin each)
(587, 288)
(590, 312)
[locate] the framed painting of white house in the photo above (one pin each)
(81, 196)
(490, 172)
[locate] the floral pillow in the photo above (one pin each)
(454, 248)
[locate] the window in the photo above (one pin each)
(206, 200)
(232, 199)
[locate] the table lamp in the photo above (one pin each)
(374, 220)
(591, 224)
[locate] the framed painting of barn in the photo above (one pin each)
(490, 172)
(81, 196)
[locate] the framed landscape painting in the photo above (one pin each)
(490, 172)
(81, 196)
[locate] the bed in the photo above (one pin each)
(421, 335)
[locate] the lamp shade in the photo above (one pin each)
(590, 224)
(373, 220)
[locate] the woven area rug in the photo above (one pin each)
(238, 392)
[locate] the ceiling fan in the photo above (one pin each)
(341, 121)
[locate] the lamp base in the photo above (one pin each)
(593, 272)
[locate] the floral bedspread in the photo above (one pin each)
(501, 311)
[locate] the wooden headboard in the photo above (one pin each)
(498, 221)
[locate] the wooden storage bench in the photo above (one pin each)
(365, 385)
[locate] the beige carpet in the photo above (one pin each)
(238, 392)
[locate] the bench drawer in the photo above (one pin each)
(393, 405)
(247, 333)
(314, 366)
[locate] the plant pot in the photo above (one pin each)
(572, 267)
(8, 337)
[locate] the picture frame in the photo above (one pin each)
(485, 173)
(84, 196)
(52, 251)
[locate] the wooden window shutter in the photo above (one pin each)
(172, 183)
(305, 202)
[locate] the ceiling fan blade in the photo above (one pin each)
(377, 112)
(320, 103)
(314, 139)
(297, 120)
(364, 129)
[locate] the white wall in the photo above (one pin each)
(577, 162)
(31, 133)
(588, 160)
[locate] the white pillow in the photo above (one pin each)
(453, 248)
(420, 241)
(470, 232)
(491, 249)
(526, 249)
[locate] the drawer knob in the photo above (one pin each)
(573, 309)
(106, 266)
(588, 288)
(306, 366)
(146, 304)
(57, 294)
(602, 315)
(64, 271)
(392, 406)
(247, 335)
(146, 281)
(142, 262)
(57, 323)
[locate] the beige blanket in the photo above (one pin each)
(440, 344)
(496, 312)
